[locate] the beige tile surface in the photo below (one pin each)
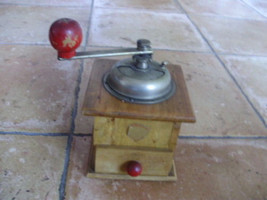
(259, 5)
(236, 36)
(31, 167)
(206, 169)
(124, 27)
(84, 124)
(37, 91)
(49, 2)
(220, 108)
(30, 24)
(159, 5)
(251, 74)
(228, 8)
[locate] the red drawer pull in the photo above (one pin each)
(134, 168)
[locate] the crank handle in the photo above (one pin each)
(65, 36)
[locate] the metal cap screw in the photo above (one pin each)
(143, 44)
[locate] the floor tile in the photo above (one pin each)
(49, 2)
(31, 167)
(37, 91)
(206, 169)
(238, 36)
(251, 74)
(84, 124)
(229, 8)
(220, 108)
(33, 27)
(161, 5)
(259, 5)
(124, 27)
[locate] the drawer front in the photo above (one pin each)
(115, 159)
(130, 132)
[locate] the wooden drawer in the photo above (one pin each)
(114, 160)
(138, 133)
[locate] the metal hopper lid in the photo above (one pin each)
(139, 80)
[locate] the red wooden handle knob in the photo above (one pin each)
(134, 168)
(65, 36)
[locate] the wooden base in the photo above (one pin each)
(171, 177)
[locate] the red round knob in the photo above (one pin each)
(65, 35)
(134, 168)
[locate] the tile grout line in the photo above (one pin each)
(141, 10)
(64, 175)
(241, 55)
(42, 134)
(33, 133)
(224, 66)
(90, 25)
(76, 94)
(90, 134)
(224, 137)
(26, 44)
(253, 8)
(261, 18)
(62, 186)
(83, 135)
(242, 91)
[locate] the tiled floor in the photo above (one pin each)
(222, 48)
